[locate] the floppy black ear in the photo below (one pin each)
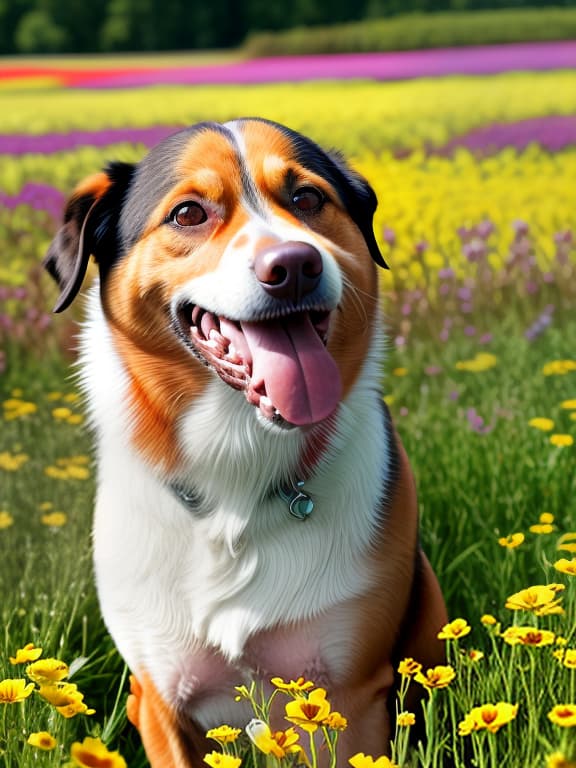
(361, 202)
(89, 228)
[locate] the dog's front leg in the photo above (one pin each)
(169, 741)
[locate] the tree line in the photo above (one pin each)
(72, 26)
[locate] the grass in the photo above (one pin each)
(483, 472)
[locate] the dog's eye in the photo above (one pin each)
(188, 214)
(308, 199)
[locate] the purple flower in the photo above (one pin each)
(389, 236)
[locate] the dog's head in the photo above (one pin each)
(242, 246)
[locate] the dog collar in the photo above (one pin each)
(300, 503)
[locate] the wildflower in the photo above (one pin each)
(365, 761)
(61, 414)
(528, 636)
(454, 630)
(541, 600)
(224, 734)
(511, 541)
(568, 405)
(566, 566)
(559, 367)
(17, 409)
(47, 671)
(93, 753)
(294, 686)
(563, 714)
(42, 740)
(541, 423)
(66, 698)
(218, 760)
(542, 528)
(483, 361)
(26, 654)
(12, 462)
(566, 656)
(562, 441)
(54, 519)
(336, 721)
(488, 620)
(13, 691)
(400, 372)
(558, 760)
(279, 744)
(406, 719)
(546, 518)
(567, 542)
(474, 655)
(488, 716)
(436, 677)
(408, 667)
(6, 519)
(309, 713)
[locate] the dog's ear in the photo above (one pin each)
(361, 202)
(89, 229)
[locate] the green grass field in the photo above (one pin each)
(481, 343)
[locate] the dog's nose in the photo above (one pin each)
(289, 270)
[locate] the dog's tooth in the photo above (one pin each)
(266, 407)
(232, 355)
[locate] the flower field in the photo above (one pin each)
(476, 178)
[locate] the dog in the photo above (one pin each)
(256, 513)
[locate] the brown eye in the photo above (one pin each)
(188, 214)
(308, 199)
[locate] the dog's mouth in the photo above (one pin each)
(282, 364)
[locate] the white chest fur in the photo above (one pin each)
(172, 580)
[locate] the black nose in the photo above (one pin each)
(289, 270)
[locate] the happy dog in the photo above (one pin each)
(255, 513)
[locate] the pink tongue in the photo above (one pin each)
(299, 375)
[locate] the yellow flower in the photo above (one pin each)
(566, 566)
(436, 677)
(54, 519)
(567, 542)
(279, 744)
(541, 423)
(218, 760)
(454, 630)
(16, 409)
(13, 691)
(475, 655)
(546, 517)
(224, 734)
(568, 405)
(563, 714)
(559, 367)
(483, 361)
(47, 671)
(512, 541)
(566, 656)
(6, 519)
(336, 721)
(542, 528)
(490, 717)
(562, 441)
(528, 636)
(26, 654)
(294, 686)
(541, 600)
(408, 667)
(400, 372)
(488, 620)
(61, 414)
(66, 698)
(406, 719)
(12, 462)
(365, 761)
(42, 740)
(309, 713)
(558, 760)
(92, 753)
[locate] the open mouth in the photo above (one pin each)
(282, 363)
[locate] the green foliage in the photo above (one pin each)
(420, 30)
